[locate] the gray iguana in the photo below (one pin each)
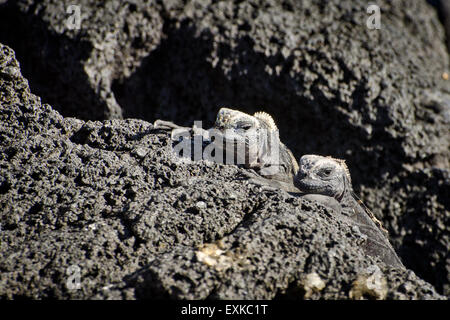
(264, 151)
(252, 139)
(330, 177)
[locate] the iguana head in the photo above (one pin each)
(240, 121)
(257, 135)
(323, 175)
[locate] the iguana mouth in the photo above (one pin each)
(223, 140)
(308, 186)
(225, 143)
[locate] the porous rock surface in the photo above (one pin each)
(110, 198)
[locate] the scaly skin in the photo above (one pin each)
(330, 177)
(252, 139)
(264, 151)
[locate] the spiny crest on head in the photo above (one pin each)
(267, 118)
(344, 166)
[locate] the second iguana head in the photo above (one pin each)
(323, 175)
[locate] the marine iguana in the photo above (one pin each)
(330, 177)
(253, 140)
(258, 133)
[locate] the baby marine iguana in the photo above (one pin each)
(254, 142)
(330, 177)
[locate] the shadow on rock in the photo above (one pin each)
(51, 63)
(180, 82)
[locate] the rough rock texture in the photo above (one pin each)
(109, 197)
(443, 9)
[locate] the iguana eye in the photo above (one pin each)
(246, 126)
(326, 172)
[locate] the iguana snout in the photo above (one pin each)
(234, 119)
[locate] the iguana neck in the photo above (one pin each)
(346, 198)
(268, 147)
